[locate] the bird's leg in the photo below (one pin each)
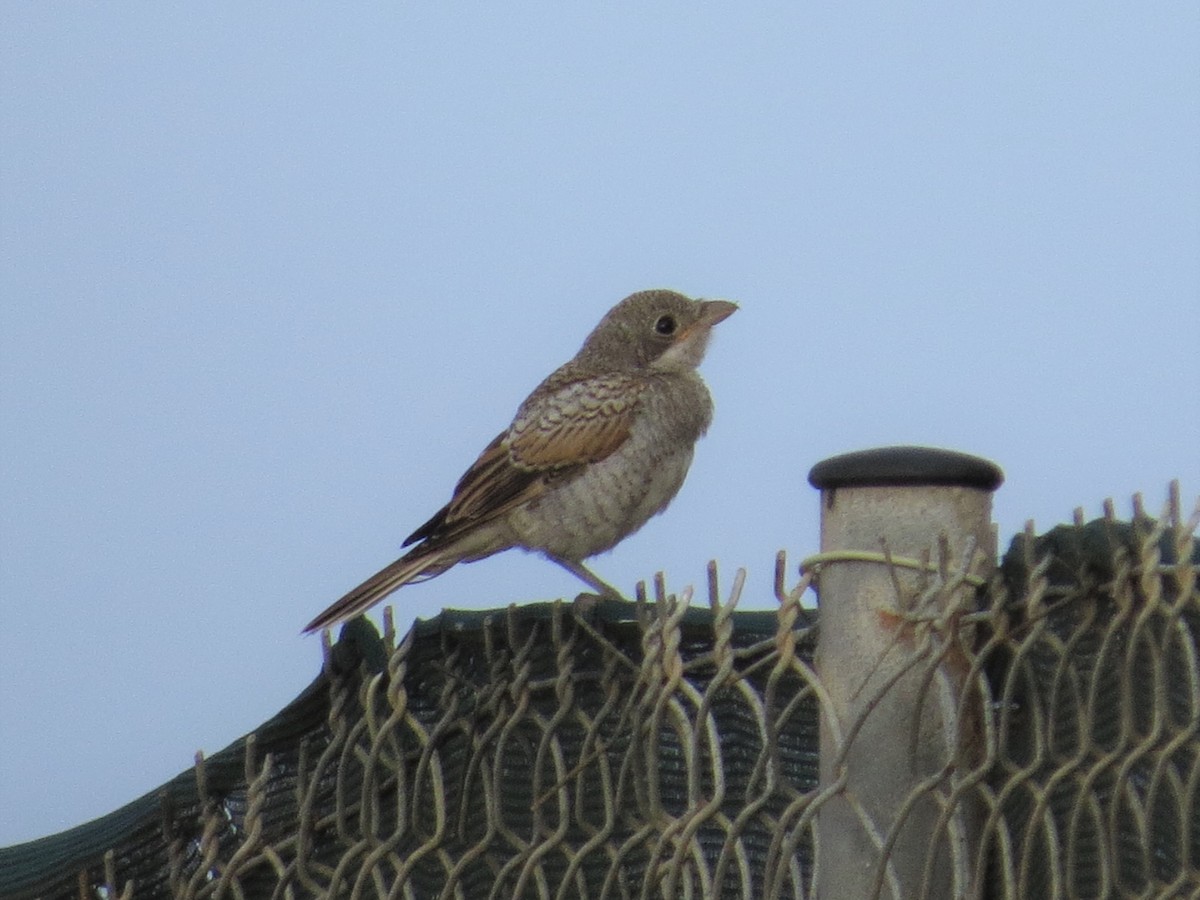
(584, 574)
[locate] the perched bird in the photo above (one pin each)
(597, 449)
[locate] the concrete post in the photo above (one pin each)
(884, 741)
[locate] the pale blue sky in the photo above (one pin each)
(272, 277)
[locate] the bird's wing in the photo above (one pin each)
(575, 422)
(580, 422)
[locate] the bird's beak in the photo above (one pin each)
(714, 311)
(711, 312)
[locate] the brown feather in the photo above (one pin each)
(417, 565)
(575, 423)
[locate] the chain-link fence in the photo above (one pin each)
(672, 749)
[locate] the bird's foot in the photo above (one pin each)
(603, 590)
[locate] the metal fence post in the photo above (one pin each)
(892, 727)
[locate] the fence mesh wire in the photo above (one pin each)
(607, 750)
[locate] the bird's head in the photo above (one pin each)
(659, 330)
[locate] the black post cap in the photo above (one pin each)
(901, 466)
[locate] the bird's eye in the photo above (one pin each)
(665, 325)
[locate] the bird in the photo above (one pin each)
(597, 449)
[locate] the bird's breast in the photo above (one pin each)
(596, 507)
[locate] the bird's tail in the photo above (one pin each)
(418, 564)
